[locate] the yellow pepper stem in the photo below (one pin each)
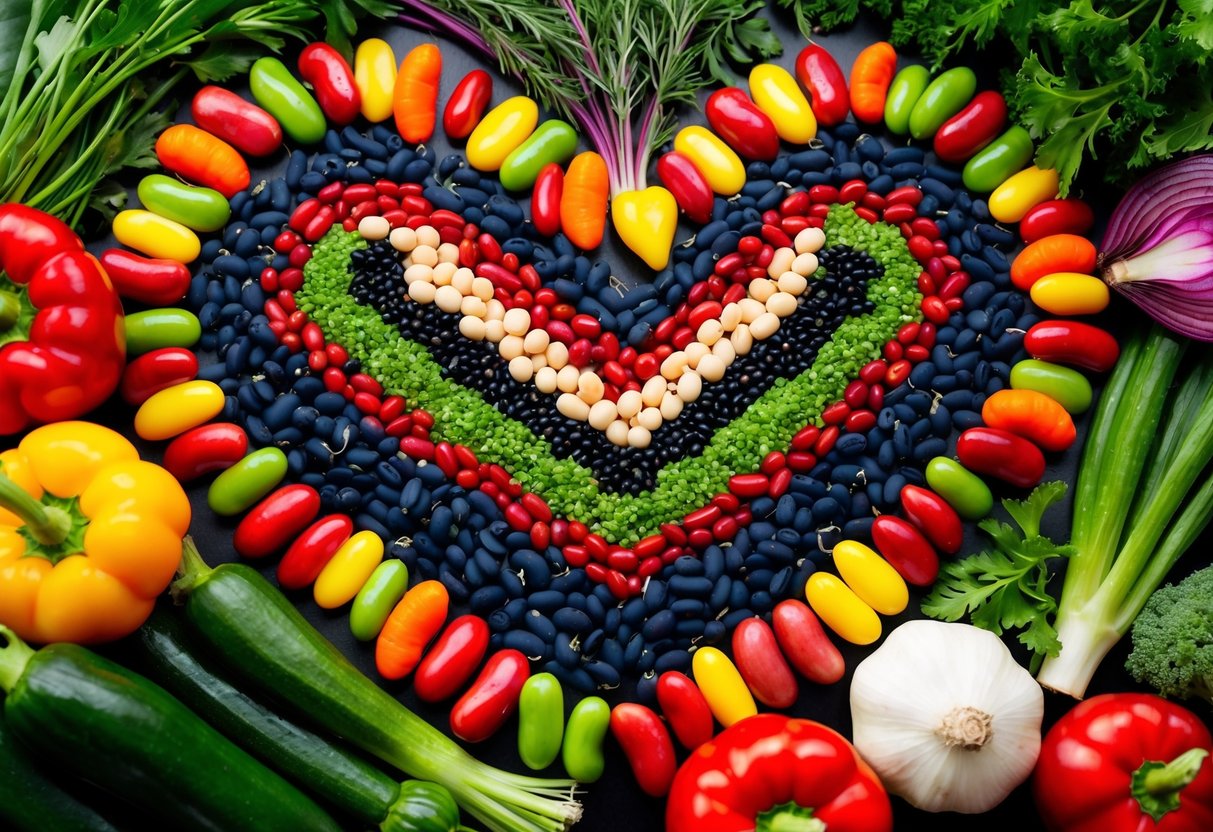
(10, 310)
(49, 525)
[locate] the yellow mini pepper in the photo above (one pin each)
(90, 534)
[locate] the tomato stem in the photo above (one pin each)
(48, 525)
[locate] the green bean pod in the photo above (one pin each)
(153, 329)
(377, 598)
(943, 98)
(540, 721)
(287, 100)
(582, 749)
(246, 482)
(552, 141)
(1067, 387)
(998, 160)
(202, 209)
(965, 491)
(907, 87)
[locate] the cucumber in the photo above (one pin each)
(31, 802)
(95, 719)
(324, 768)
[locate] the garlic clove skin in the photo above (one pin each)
(946, 716)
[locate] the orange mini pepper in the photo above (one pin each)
(412, 624)
(1032, 415)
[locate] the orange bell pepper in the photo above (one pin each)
(90, 534)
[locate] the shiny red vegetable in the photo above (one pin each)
(647, 745)
(770, 772)
(148, 280)
(1125, 762)
(206, 448)
(452, 659)
(492, 698)
(62, 348)
(1072, 342)
(906, 550)
(762, 665)
(467, 103)
(683, 706)
(1056, 216)
(240, 123)
(332, 81)
(155, 371)
(742, 126)
(821, 76)
(980, 122)
(1002, 455)
(691, 191)
(545, 199)
(805, 643)
(312, 550)
(274, 522)
(934, 517)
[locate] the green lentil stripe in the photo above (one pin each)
(462, 416)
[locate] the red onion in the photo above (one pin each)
(1158, 248)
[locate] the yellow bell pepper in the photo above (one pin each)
(90, 535)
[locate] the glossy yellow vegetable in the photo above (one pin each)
(501, 131)
(155, 236)
(1022, 192)
(646, 221)
(176, 409)
(348, 570)
(841, 609)
(375, 78)
(871, 577)
(720, 166)
(1070, 293)
(777, 93)
(728, 697)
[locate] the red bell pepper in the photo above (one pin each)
(62, 348)
(1126, 762)
(772, 772)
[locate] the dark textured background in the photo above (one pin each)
(615, 802)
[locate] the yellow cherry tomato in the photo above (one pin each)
(777, 94)
(841, 609)
(646, 221)
(347, 571)
(871, 577)
(720, 166)
(156, 236)
(375, 78)
(1070, 293)
(176, 409)
(1022, 192)
(728, 697)
(501, 131)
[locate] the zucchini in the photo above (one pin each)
(31, 802)
(260, 636)
(322, 767)
(92, 718)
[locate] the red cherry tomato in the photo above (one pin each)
(206, 448)
(155, 371)
(453, 658)
(805, 643)
(1001, 454)
(545, 199)
(273, 523)
(646, 743)
(240, 123)
(691, 191)
(683, 706)
(742, 126)
(1072, 342)
(980, 122)
(932, 515)
(313, 549)
(762, 665)
(332, 80)
(906, 549)
(1056, 216)
(488, 703)
(467, 104)
(824, 80)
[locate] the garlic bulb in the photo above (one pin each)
(946, 716)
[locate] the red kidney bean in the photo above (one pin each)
(545, 199)
(691, 191)
(312, 550)
(272, 523)
(206, 448)
(467, 104)
(155, 371)
(1056, 216)
(332, 80)
(805, 643)
(820, 74)
(1072, 342)
(450, 662)
(492, 698)
(934, 517)
(762, 665)
(684, 707)
(151, 281)
(1001, 454)
(980, 122)
(741, 124)
(646, 743)
(240, 123)
(906, 549)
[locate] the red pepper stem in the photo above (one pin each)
(789, 817)
(14, 656)
(48, 525)
(10, 310)
(1157, 785)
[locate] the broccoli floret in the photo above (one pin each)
(1173, 639)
